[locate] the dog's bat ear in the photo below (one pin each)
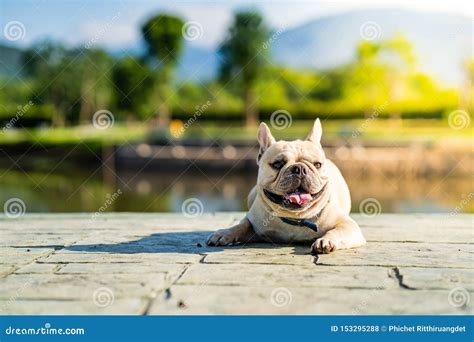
(264, 136)
(316, 132)
(265, 139)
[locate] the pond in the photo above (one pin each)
(83, 189)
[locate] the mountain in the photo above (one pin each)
(441, 41)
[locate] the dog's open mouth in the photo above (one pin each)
(293, 200)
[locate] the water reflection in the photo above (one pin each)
(75, 190)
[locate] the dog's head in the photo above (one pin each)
(292, 175)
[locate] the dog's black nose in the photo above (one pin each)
(299, 170)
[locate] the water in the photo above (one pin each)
(83, 190)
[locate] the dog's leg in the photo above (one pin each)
(345, 234)
(238, 234)
(251, 197)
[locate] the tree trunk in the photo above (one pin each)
(162, 112)
(251, 114)
(86, 103)
(86, 110)
(58, 119)
(162, 93)
(163, 115)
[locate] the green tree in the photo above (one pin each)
(379, 73)
(95, 86)
(133, 83)
(243, 59)
(163, 36)
(74, 81)
(54, 75)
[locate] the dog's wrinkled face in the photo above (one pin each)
(292, 174)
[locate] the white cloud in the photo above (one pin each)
(280, 13)
(108, 33)
(214, 18)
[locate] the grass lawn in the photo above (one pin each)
(74, 135)
(373, 131)
(363, 130)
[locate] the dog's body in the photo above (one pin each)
(296, 187)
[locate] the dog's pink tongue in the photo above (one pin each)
(298, 197)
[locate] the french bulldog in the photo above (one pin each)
(300, 197)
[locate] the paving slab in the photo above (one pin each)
(145, 264)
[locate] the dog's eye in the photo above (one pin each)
(318, 165)
(278, 164)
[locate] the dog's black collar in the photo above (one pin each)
(300, 222)
(305, 222)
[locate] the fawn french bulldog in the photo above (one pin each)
(300, 197)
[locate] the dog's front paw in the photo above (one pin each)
(222, 237)
(323, 245)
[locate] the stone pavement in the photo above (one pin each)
(146, 264)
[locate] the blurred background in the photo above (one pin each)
(142, 106)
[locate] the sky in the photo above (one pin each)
(115, 24)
